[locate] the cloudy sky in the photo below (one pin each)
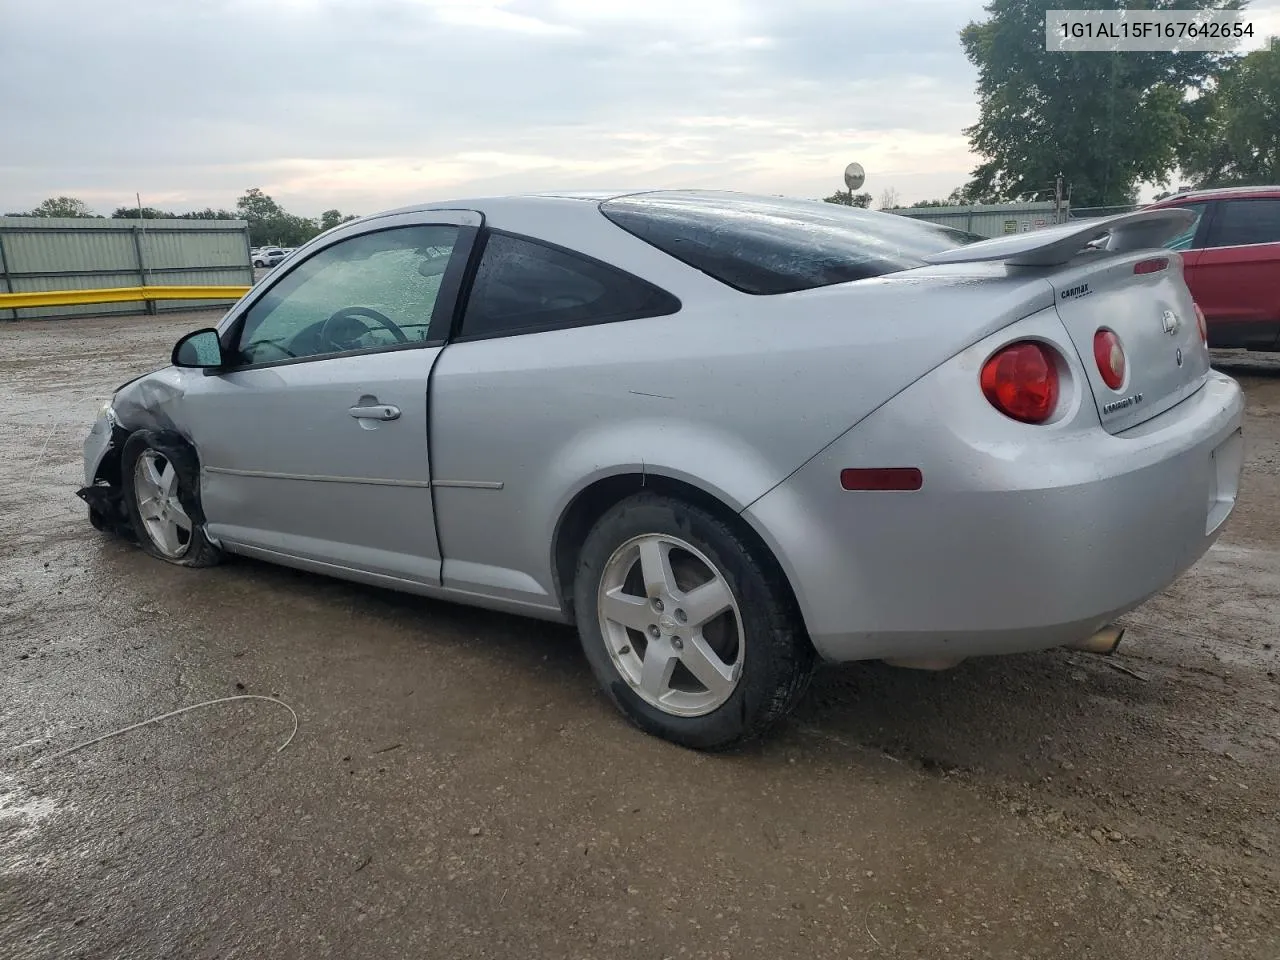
(366, 104)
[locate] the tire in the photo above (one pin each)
(167, 506)
(757, 676)
(259, 264)
(98, 521)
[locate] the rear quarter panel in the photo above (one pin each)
(1020, 538)
(732, 394)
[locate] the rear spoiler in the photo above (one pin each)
(1050, 247)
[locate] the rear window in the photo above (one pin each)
(770, 245)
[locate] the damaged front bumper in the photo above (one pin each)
(102, 491)
(99, 444)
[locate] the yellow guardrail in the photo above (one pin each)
(72, 298)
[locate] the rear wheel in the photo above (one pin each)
(159, 476)
(694, 636)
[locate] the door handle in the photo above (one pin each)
(376, 411)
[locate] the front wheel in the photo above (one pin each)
(692, 632)
(160, 477)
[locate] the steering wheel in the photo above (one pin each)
(248, 353)
(352, 314)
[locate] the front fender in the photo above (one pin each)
(153, 401)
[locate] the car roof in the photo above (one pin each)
(487, 204)
(567, 200)
(1218, 193)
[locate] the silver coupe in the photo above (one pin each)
(726, 436)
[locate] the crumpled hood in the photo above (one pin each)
(150, 401)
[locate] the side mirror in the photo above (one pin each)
(199, 349)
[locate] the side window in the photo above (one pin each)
(375, 290)
(1241, 222)
(1183, 240)
(523, 286)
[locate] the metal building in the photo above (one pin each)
(991, 220)
(39, 254)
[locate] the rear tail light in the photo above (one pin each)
(1110, 357)
(1203, 324)
(1154, 265)
(1021, 381)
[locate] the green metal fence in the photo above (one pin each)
(40, 254)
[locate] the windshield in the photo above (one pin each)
(771, 245)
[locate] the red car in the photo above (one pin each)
(1232, 259)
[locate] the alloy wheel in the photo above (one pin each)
(671, 625)
(155, 484)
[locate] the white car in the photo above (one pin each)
(268, 256)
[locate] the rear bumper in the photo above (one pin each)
(1020, 539)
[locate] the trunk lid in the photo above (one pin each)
(1150, 309)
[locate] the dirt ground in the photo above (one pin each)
(457, 788)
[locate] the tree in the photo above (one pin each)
(1235, 138)
(151, 213)
(332, 218)
(147, 213)
(256, 205)
(1105, 121)
(975, 193)
(59, 207)
(208, 213)
(889, 199)
(289, 230)
(849, 199)
(269, 223)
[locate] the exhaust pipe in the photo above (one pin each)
(1103, 642)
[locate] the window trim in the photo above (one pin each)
(473, 268)
(1219, 205)
(437, 327)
